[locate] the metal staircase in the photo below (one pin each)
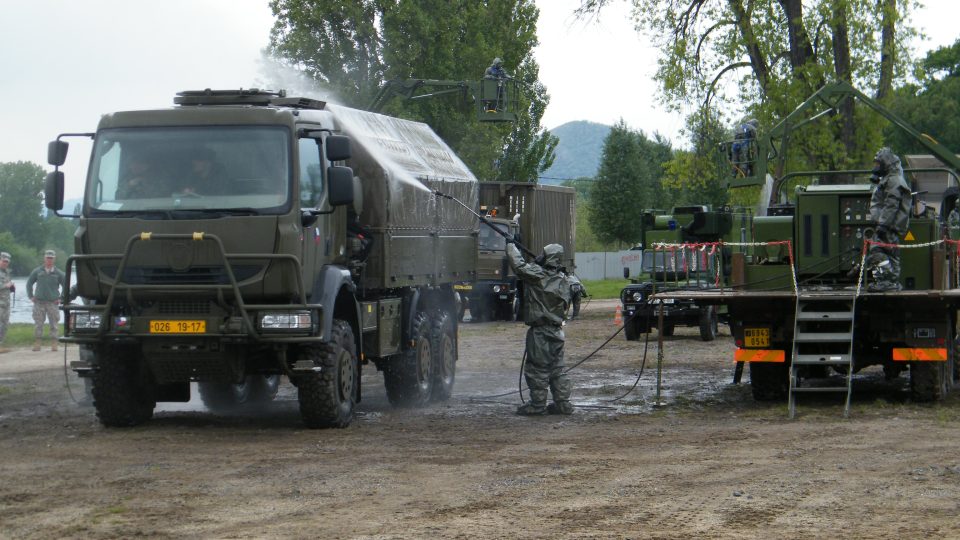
(822, 336)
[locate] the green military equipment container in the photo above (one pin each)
(535, 214)
(682, 251)
(799, 307)
(242, 236)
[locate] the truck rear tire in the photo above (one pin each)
(224, 397)
(708, 323)
(668, 330)
(327, 398)
(409, 378)
(123, 390)
(443, 342)
(931, 381)
(769, 381)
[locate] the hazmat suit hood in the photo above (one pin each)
(552, 255)
(884, 162)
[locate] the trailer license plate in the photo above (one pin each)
(754, 338)
(178, 327)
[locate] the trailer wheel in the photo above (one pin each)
(409, 378)
(443, 342)
(222, 397)
(709, 323)
(123, 391)
(327, 398)
(768, 381)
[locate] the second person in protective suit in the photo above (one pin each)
(546, 297)
(890, 210)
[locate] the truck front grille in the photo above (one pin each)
(183, 307)
(197, 275)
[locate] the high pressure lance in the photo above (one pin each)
(486, 222)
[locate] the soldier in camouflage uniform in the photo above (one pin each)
(546, 296)
(49, 281)
(6, 287)
(890, 209)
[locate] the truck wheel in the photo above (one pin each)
(631, 329)
(931, 381)
(123, 393)
(409, 378)
(443, 342)
(769, 382)
(327, 398)
(668, 330)
(223, 397)
(708, 323)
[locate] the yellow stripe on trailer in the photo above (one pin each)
(919, 355)
(758, 355)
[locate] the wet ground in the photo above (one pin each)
(706, 461)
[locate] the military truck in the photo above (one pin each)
(265, 236)
(535, 214)
(681, 252)
(799, 305)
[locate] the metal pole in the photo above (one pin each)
(658, 403)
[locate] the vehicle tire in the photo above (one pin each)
(668, 330)
(123, 390)
(769, 381)
(931, 381)
(631, 329)
(708, 323)
(224, 397)
(443, 343)
(327, 398)
(409, 378)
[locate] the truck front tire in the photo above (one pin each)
(709, 323)
(327, 398)
(123, 391)
(409, 378)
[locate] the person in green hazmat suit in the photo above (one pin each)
(546, 297)
(890, 210)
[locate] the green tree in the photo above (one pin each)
(354, 46)
(629, 180)
(932, 105)
(528, 150)
(21, 202)
(694, 174)
(766, 57)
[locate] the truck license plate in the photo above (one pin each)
(464, 287)
(178, 327)
(754, 338)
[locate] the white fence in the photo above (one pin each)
(607, 264)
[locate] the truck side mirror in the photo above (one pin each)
(53, 189)
(57, 152)
(338, 147)
(626, 273)
(340, 185)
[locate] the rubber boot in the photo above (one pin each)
(36, 345)
(53, 345)
(531, 409)
(560, 407)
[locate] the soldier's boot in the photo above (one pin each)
(53, 345)
(531, 409)
(36, 345)
(560, 407)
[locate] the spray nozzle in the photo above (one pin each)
(439, 194)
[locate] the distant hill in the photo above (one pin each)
(578, 152)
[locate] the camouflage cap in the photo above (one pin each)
(4, 256)
(49, 253)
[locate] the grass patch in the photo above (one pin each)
(21, 335)
(603, 289)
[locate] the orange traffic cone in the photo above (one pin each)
(618, 317)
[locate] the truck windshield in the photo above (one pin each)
(491, 241)
(194, 168)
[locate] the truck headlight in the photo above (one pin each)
(286, 320)
(637, 296)
(496, 288)
(84, 320)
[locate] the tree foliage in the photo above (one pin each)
(629, 180)
(21, 185)
(767, 57)
(932, 105)
(354, 46)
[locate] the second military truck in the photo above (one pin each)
(242, 236)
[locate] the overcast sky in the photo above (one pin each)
(65, 62)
